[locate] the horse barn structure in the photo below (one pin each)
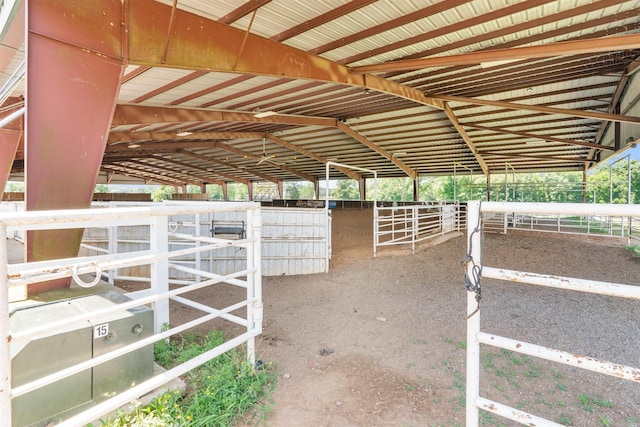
(212, 92)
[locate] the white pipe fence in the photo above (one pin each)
(412, 224)
(475, 270)
(159, 257)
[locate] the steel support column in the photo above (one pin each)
(281, 188)
(74, 68)
(10, 137)
(225, 194)
(250, 190)
(362, 183)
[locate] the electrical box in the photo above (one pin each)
(76, 343)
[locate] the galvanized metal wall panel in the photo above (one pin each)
(294, 241)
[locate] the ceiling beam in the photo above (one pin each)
(349, 172)
(543, 137)
(136, 173)
(190, 179)
(229, 165)
(201, 44)
(532, 156)
(384, 153)
(243, 153)
(495, 56)
(128, 114)
(548, 110)
(127, 137)
(454, 120)
(147, 147)
(207, 179)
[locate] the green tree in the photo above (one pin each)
(161, 193)
(15, 187)
(292, 190)
(237, 192)
(307, 191)
(215, 192)
(346, 189)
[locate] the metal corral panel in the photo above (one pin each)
(294, 241)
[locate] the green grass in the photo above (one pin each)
(634, 249)
(219, 392)
(587, 402)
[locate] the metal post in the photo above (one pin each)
(198, 254)
(159, 243)
(251, 282)
(473, 316)
(610, 183)
(454, 182)
(5, 332)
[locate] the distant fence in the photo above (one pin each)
(590, 225)
(397, 225)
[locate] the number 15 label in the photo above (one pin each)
(100, 331)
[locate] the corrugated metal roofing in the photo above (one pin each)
(397, 131)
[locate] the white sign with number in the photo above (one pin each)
(100, 331)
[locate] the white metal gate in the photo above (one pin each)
(159, 258)
(475, 271)
(412, 224)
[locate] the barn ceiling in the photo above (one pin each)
(275, 89)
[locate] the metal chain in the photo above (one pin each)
(472, 281)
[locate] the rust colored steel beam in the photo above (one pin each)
(196, 44)
(543, 137)
(543, 109)
(136, 114)
(201, 169)
(229, 165)
(467, 139)
(169, 136)
(10, 138)
(275, 164)
(607, 44)
(384, 153)
(349, 172)
(74, 53)
(13, 37)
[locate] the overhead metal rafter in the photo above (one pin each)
(548, 110)
(141, 174)
(607, 44)
(349, 172)
(127, 114)
(208, 179)
(543, 137)
(454, 120)
(189, 178)
(195, 45)
(229, 165)
(364, 140)
(533, 38)
(128, 137)
(247, 154)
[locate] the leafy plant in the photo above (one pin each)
(634, 249)
(219, 392)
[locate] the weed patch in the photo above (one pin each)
(219, 392)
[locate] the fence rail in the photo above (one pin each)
(412, 224)
(475, 270)
(159, 258)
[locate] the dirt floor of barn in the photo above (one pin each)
(381, 341)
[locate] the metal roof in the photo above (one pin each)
(507, 84)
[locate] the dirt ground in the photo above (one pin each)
(381, 341)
